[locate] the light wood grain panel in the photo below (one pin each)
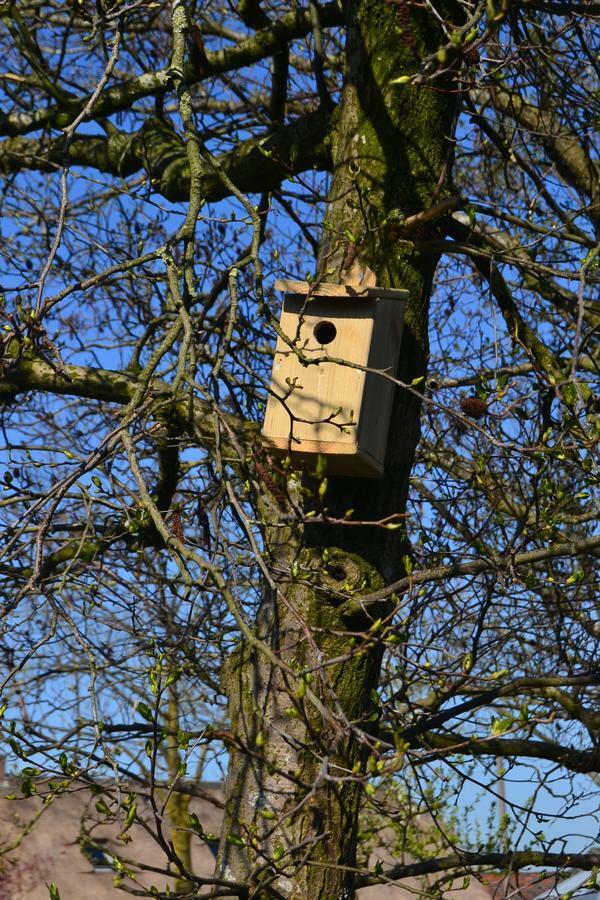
(342, 459)
(325, 402)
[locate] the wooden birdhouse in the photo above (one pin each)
(322, 399)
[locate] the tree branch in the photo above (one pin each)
(486, 696)
(258, 164)
(477, 567)
(261, 45)
(575, 166)
(119, 387)
(582, 761)
(467, 860)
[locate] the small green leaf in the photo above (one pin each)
(144, 710)
(500, 726)
(500, 673)
(321, 467)
(27, 787)
(578, 575)
(236, 840)
(265, 152)
(173, 676)
(130, 817)
(196, 825)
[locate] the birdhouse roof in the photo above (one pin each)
(347, 291)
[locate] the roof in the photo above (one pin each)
(579, 884)
(518, 886)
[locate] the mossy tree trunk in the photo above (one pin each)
(293, 790)
(177, 806)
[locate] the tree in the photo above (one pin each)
(161, 163)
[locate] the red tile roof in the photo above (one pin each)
(519, 886)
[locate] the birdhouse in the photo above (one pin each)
(329, 393)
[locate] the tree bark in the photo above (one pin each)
(294, 783)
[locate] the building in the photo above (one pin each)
(60, 843)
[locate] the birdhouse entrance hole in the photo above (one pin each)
(340, 406)
(325, 332)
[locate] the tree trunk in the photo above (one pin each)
(177, 806)
(294, 786)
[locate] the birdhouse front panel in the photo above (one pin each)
(322, 401)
